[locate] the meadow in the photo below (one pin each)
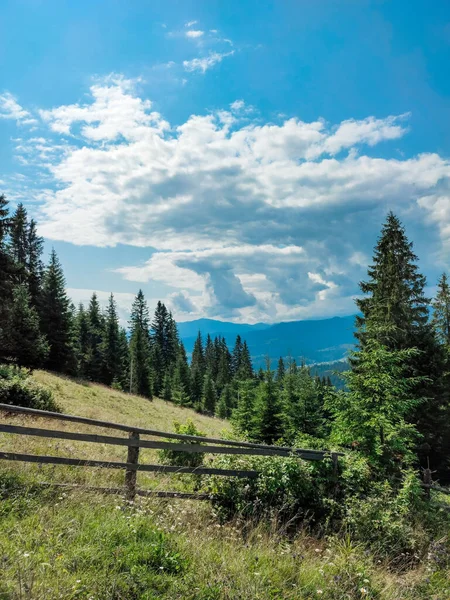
(77, 544)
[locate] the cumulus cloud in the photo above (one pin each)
(194, 33)
(11, 109)
(250, 220)
(205, 63)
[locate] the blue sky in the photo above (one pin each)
(235, 159)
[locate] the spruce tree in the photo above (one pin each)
(160, 358)
(19, 241)
(209, 396)
(441, 311)
(246, 371)
(244, 414)
(26, 343)
(110, 348)
(395, 314)
(280, 371)
(35, 267)
(309, 416)
(197, 371)
(82, 341)
(167, 388)
(96, 329)
(209, 354)
(268, 427)
(8, 273)
(198, 356)
(224, 405)
(236, 357)
(394, 301)
(123, 379)
(140, 369)
(373, 415)
(171, 343)
(56, 318)
(181, 379)
(224, 366)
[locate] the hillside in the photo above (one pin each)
(99, 402)
(322, 340)
(83, 545)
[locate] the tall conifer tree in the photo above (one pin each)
(209, 396)
(112, 367)
(441, 311)
(140, 371)
(56, 318)
(236, 357)
(96, 330)
(7, 273)
(246, 371)
(19, 241)
(35, 267)
(395, 314)
(82, 342)
(268, 425)
(25, 341)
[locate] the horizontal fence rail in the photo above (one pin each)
(191, 448)
(185, 443)
(156, 433)
(75, 462)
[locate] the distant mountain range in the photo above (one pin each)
(315, 341)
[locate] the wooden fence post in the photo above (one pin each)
(131, 475)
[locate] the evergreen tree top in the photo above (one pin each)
(394, 291)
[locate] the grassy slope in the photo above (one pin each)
(82, 545)
(99, 402)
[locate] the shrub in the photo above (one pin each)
(12, 371)
(24, 392)
(284, 488)
(395, 521)
(184, 459)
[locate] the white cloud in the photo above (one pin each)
(205, 63)
(11, 109)
(262, 221)
(190, 23)
(194, 33)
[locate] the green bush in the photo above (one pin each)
(179, 458)
(13, 372)
(24, 392)
(395, 521)
(284, 488)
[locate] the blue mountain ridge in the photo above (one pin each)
(311, 341)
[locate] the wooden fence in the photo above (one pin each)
(184, 443)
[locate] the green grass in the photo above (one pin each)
(102, 403)
(81, 545)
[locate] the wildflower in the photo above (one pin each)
(366, 580)
(319, 592)
(363, 590)
(78, 581)
(26, 554)
(317, 550)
